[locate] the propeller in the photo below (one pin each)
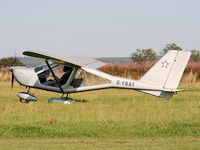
(12, 77)
(15, 59)
(11, 70)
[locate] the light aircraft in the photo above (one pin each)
(79, 74)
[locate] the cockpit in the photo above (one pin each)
(58, 75)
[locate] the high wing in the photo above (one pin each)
(76, 61)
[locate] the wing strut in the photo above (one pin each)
(54, 76)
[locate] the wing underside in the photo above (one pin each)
(76, 61)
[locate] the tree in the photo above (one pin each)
(142, 55)
(10, 61)
(169, 47)
(195, 56)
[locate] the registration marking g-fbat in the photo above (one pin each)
(125, 83)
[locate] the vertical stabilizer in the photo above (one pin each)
(177, 70)
(167, 72)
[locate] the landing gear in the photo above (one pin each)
(65, 100)
(23, 100)
(26, 97)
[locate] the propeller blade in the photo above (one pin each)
(11, 69)
(12, 76)
(12, 81)
(15, 59)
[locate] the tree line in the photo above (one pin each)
(141, 55)
(10, 61)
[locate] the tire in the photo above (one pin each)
(23, 100)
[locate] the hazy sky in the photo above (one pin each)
(97, 28)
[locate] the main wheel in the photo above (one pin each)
(23, 100)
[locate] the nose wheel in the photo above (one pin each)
(23, 100)
(26, 97)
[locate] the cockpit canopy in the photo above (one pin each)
(68, 76)
(62, 74)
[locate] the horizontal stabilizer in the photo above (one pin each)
(161, 94)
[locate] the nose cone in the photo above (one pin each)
(23, 75)
(10, 69)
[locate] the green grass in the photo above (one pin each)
(109, 113)
(188, 143)
(108, 116)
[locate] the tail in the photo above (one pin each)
(166, 73)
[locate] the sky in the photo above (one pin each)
(97, 28)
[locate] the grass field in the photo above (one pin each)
(188, 143)
(111, 119)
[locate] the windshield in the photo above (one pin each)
(61, 72)
(44, 66)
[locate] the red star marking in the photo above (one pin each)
(165, 64)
